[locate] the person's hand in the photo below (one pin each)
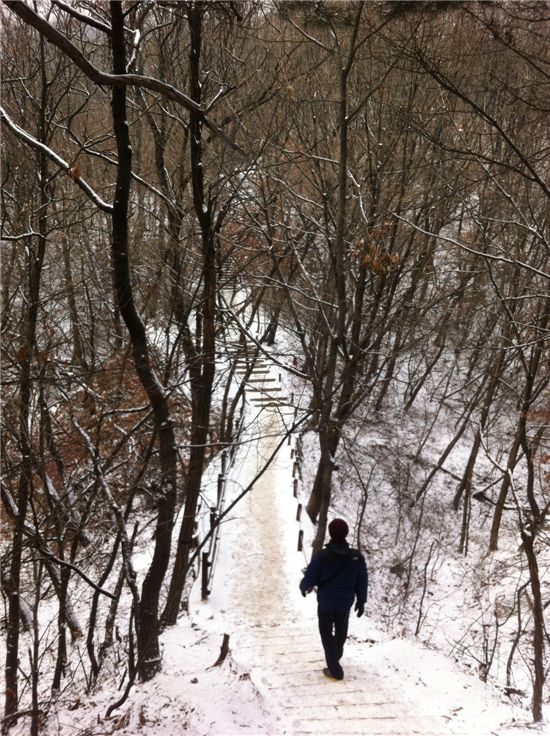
(360, 608)
(304, 593)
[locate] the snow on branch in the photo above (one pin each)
(64, 563)
(13, 512)
(36, 144)
(21, 236)
(51, 34)
(82, 17)
(472, 250)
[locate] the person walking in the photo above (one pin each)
(339, 573)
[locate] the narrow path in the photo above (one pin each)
(273, 629)
(259, 589)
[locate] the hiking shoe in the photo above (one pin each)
(328, 673)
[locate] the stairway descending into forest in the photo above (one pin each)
(262, 381)
(285, 663)
(273, 630)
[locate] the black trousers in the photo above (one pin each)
(333, 627)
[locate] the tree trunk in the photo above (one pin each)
(528, 537)
(202, 367)
(519, 439)
(26, 353)
(78, 358)
(147, 622)
(344, 342)
(319, 501)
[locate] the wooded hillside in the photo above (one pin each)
(371, 178)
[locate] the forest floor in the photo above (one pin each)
(271, 680)
(394, 687)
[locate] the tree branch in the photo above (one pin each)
(447, 84)
(87, 19)
(37, 145)
(51, 34)
(473, 251)
(82, 574)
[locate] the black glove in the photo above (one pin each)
(304, 593)
(360, 608)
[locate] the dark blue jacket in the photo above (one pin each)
(345, 571)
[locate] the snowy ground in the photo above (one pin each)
(271, 681)
(391, 687)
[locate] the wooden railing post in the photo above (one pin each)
(221, 481)
(204, 576)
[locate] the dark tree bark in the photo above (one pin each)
(530, 391)
(36, 255)
(528, 537)
(330, 430)
(201, 362)
(147, 622)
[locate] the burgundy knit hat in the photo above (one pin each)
(338, 530)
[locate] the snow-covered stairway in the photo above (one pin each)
(263, 384)
(273, 630)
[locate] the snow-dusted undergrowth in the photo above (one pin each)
(423, 595)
